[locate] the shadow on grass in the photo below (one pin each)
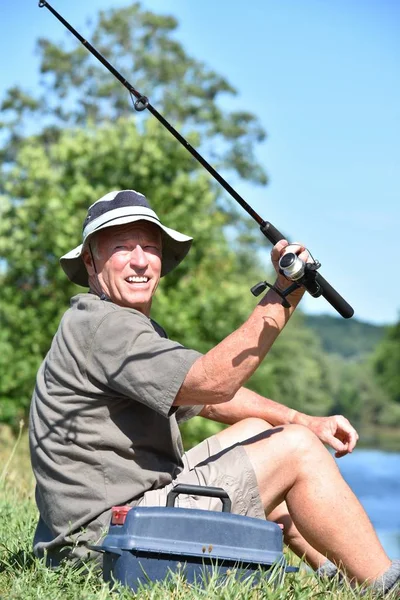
(17, 561)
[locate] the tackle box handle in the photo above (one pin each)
(200, 490)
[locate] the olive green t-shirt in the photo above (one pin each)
(102, 426)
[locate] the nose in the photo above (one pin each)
(138, 258)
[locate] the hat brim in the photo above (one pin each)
(175, 246)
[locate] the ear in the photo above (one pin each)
(88, 262)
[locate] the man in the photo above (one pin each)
(113, 389)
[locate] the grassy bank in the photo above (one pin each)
(24, 577)
(382, 438)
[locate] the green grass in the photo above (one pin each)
(24, 577)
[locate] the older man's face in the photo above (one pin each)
(129, 264)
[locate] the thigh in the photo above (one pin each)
(242, 431)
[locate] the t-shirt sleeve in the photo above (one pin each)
(184, 413)
(129, 357)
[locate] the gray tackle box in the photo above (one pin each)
(146, 543)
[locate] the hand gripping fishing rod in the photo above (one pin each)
(295, 270)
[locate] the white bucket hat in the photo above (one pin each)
(119, 208)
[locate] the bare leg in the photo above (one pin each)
(291, 464)
(293, 538)
(242, 431)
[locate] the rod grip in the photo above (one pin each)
(271, 232)
(334, 298)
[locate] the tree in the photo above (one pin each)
(77, 89)
(386, 362)
(356, 393)
(54, 185)
(85, 141)
(296, 371)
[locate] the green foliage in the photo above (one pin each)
(198, 429)
(296, 371)
(49, 189)
(356, 393)
(83, 141)
(363, 388)
(386, 363)
(349, 338)
(142, 45)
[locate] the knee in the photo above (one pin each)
(298, 440)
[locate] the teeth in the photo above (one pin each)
(137, 279)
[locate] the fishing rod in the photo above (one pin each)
(294, 269)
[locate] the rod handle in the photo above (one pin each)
(271, 232)
(334, 298)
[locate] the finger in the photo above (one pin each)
(295, 247)
(300, 250)
(277, 249)
(349, 432)
(339, 447)
(340, 454)
(352, 441)
(305, 255)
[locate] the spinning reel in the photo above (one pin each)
(298, 272)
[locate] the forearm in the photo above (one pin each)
(246, 404)
(219, 374)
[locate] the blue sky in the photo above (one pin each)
(323, 78)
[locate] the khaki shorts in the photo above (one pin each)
(208, 464)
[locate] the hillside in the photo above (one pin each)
(350, 338)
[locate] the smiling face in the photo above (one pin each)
(128, 264)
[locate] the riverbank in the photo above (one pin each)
(381, 438)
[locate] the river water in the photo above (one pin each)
(374, 477)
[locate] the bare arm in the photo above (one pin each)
(218, 375)
(336, 430)
(246, 404)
